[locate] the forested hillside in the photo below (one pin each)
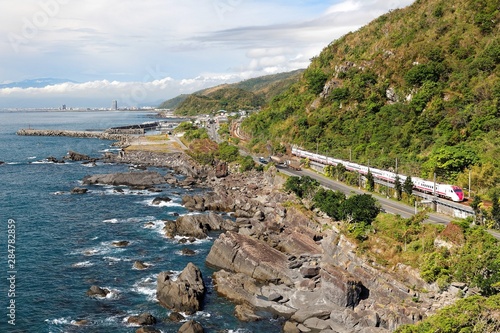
(246, 95)
(419, 84)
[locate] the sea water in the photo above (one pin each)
(61, 243)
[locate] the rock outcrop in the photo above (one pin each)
(96, 291)
(77, 157)
(184, 294)
(191, 326)
(243, 254)
(79, 190)
(196, 226)
(144, 319)
(133, 179)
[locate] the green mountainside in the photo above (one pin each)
(419, 84)
(246, 95)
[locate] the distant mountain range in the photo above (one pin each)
(249, 94)
(35, 83)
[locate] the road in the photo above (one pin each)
(390, 206)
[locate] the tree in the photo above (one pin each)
(398, 187)
(303, 187)
(408, 186)
(228, 153)
(329, 202)
(359, 208)
(340, 171)
(370, 181)
(476, 206)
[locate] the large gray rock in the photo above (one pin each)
(244, 254)
(142, 319)
(185, 294)
(74, 156)
(96, 291)
(134, 179)
(197, 226)
(191, 327)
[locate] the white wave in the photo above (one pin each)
(58, 193)
(113, 293)
(43, 162)
(197, 240)
(104, 248)
(156, 225)
(83, 264)
(114, 260)
(131, 220)
(172, 203)
(31, 157)
(13, 163)
(107, 150)
(146, 286)
(58, 321)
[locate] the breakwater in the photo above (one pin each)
(74, 134)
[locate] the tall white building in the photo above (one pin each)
(114, 105)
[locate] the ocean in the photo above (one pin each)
(56, 245)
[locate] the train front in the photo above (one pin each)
(458, 194)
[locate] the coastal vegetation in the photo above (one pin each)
(459, 252)
(472, 314)
(207, 152)
(418, 84)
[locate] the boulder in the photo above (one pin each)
(246, 313)
(290, 327)
(254, 258)
(159, 200)
(140, 265)
(345, 289)
(96, 291)
(77, 157)
(187, 252)
(185, 294)
(147, 329)
(221, 170)
(144, 319)
(54, 160)
(191, 327)
(134, 179)
(79, 190)
(196, 226)
(120, 243)
(176, 317)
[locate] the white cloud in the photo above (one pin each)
(114, 45)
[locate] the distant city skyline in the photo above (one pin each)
(150, 53)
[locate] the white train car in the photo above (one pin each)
(448, 191)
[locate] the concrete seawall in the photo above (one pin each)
(74, 134)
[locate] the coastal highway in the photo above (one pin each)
(388, 205)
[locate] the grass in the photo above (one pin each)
(397, 240)
(158, 137)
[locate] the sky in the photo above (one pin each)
(141, 52)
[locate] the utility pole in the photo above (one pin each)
(350, 154)
(468, 193)
(396, 165)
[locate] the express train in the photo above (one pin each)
(447, 191)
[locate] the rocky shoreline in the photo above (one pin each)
(276, 256)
